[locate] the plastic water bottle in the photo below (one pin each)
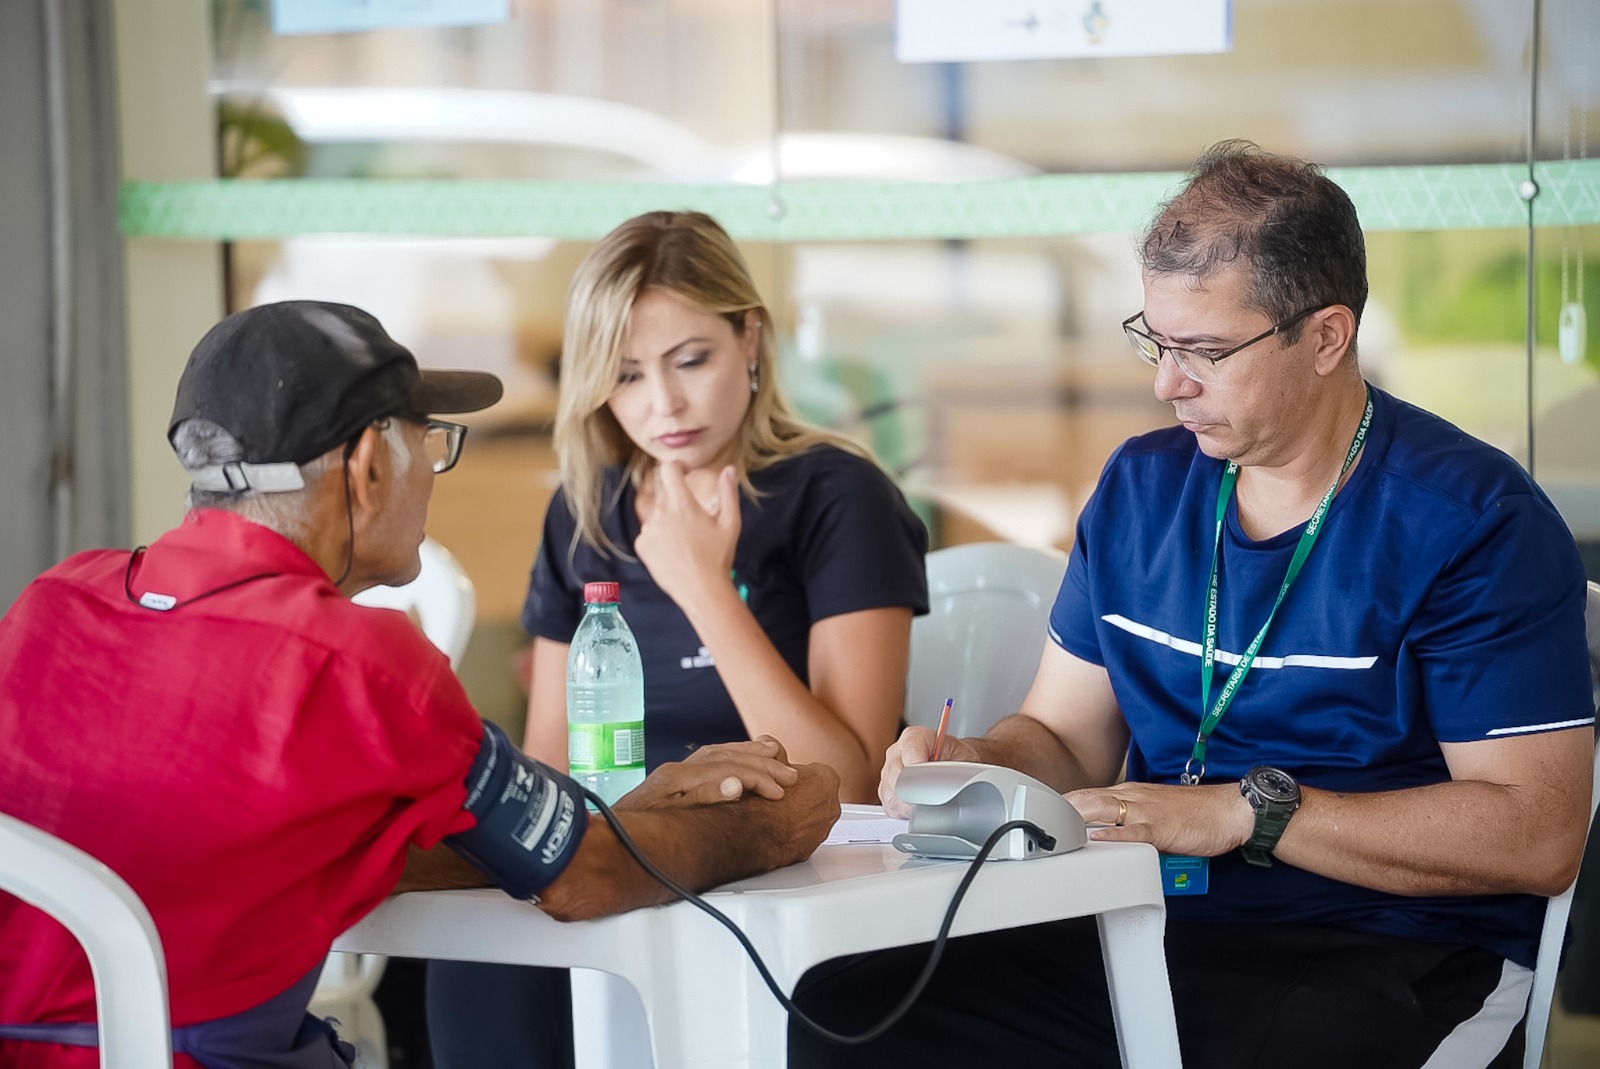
(605, 698)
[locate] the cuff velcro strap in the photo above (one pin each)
(237, 477)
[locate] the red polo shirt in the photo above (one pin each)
(254, 762)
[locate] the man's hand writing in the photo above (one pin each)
(915, 747)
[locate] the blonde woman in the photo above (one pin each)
(768, 567)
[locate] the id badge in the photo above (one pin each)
(1182, 874)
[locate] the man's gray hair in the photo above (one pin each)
(200, 443)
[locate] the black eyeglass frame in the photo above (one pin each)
(1181, 355)
(455, 438)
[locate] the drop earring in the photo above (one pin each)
(755, 378)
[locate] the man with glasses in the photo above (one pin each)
(1339, 644)
(263, 760)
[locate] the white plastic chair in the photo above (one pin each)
(440, 597)
(442, 601)
(102, 913)
(1555, 913)
(988, 613)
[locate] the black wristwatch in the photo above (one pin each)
(1274, 795)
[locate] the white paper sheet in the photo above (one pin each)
(864, 830)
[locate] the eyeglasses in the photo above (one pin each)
(441, 441)
(1198, 364)
(441, 444)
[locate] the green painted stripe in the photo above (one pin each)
(1453, 197)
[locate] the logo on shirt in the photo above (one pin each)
(702, 659)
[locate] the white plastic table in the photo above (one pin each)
(707, 1005)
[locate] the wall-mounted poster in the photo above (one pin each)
(953, 31)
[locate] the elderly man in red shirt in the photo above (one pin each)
(263, 760)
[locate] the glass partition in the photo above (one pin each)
(947, 247)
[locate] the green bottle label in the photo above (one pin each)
(605, 747)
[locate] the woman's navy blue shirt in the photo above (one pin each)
(829, 534)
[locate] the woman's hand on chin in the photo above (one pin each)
(688, 547)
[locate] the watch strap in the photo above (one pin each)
(1271, 820)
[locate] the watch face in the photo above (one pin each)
(1274, 785)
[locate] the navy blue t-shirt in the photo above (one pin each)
(1443, 602)
(830, 534)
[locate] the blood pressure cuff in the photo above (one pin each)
(530, 818)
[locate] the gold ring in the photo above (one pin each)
(1122, 813)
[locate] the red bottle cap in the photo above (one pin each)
(601, 592)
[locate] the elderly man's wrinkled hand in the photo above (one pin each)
(780, 813)
(787, 831)
(717, 774)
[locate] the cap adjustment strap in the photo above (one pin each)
(238, 476)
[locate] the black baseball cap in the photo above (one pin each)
(294, 379)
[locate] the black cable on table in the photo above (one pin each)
(917, 987)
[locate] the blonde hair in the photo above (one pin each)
(690, 256)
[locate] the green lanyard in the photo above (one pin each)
(1208, 657)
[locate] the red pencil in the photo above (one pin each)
(944, 725)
